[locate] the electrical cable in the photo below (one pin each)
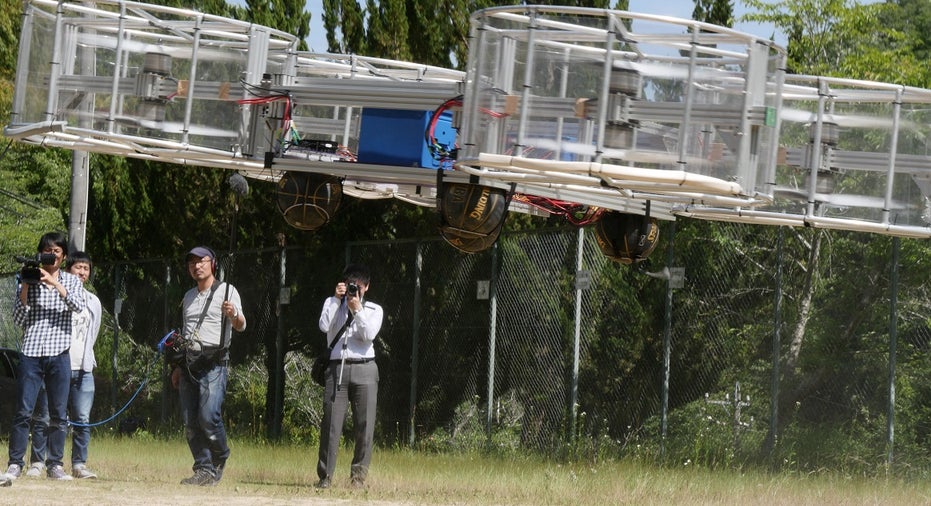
(120, 411)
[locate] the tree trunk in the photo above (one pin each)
(791, 389)
(804, 313)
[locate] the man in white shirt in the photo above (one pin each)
(352, 375)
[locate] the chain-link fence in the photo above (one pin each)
(543, 343)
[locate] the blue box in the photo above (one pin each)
(398, 137)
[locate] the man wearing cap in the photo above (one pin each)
(210, 312)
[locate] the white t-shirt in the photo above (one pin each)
(209, 332)
(84, 329)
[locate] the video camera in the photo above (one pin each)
(30, 273)
(174, 347)
(173, 342)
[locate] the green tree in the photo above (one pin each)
(833, 37)
(387, 19)
(843, 38)
(34, 182)
(10, 21)
(344, 23)
(422, 31)
(913, 16)
(716, 12)
(288, 16)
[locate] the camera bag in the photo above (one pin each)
(197, 360)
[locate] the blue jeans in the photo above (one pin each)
(201, 397)
(35, 372)
(40, 429)
(80, 402)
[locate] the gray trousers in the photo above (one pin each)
(358, 389)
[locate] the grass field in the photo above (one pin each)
(147, 472)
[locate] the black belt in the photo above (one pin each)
(354, 360)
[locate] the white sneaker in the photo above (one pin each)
(13, 472)
(36, 470)
(81, 472)
(58, 473)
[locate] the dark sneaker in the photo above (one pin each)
(323, 483)
(202, 478)
(36, 469)
(13, 471)
(58, 473)
(81, 472)
(357, 482)
(219, 470)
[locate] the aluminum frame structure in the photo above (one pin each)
(609, 109)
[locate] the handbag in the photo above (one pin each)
(319, 366)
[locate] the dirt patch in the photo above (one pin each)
(40, 491)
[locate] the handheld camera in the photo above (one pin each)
(30, 273)
(352, 289)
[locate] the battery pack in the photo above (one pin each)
(397, 137)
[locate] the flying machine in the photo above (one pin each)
(608, 118)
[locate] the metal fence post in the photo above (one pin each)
(415, 338)
(165, 388)
(492, 321)
(771, 437)
(893, 317)
(114, 359)
(577, 317)
(278, 375)
(667, 339)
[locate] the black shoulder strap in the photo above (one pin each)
(203, 314)
(340, 333)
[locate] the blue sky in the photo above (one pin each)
(676, 8)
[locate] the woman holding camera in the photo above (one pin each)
(352, 376)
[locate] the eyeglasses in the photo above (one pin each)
(192, 263)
